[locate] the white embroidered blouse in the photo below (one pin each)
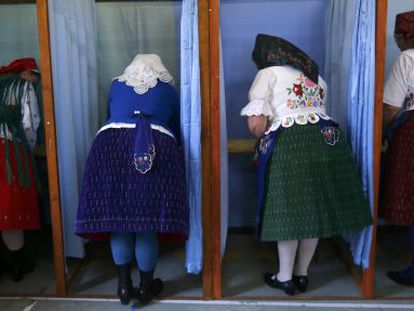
(399, 88)
(286, 96)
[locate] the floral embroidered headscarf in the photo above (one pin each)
(274, 51)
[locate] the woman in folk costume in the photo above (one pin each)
(134, 184)
(309, 186)
(398, 121)
(19, 120)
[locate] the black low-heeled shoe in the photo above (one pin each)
(288, 287)
(21, 264)
(398, 278)
(301, 282)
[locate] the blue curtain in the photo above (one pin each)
(361, 113)
(191, 129)
(74, 63)
(339, 26)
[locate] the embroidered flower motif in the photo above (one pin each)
(309, 82)
(308, 94)
(330, 135)
(313, 118)
(297, 89)
(291, 103)
(288, 122)
(264, 144)
(143, 162)
(301, 120)
(321, 94)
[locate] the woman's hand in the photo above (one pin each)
(257, 125)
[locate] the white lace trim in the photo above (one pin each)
(120, 125)
(144, 72)
(256, 108)
(145, 79)
(298, 118)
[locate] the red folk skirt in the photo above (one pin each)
(398, 178)
(19, 204)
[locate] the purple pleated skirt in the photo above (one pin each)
(115, 197)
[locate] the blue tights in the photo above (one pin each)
(144, 244)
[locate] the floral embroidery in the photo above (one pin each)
(330, 135)
(264, 144)
(288, 122)
(308, 94)
(297, 89)
(409, 101)
(291, 103)
(313, 118)
(309, 83)
(143, 162)
(298, 118)
(321, 94)
(301, 119)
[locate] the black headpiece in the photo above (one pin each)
(274, 51)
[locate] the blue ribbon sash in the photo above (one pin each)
(144, 147)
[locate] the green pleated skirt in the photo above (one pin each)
(313, 189)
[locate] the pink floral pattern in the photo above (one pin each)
(307, 94)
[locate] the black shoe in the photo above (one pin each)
(288, 287)
(149, 288)
(20, 265)
(301, 283)
(125, 289)
(398, 278)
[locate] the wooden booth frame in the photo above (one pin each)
(209, 11)
(50, 140)
(210, 154)
(213, 288)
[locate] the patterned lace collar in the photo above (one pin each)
(144, 72)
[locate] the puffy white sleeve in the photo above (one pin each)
(396, 87)
(31, 114)
(260, 94)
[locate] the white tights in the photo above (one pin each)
(289, 250)
(14, 239)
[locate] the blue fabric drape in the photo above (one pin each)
(191, 129)
(339, 26)
(361, 113)
(74, 63)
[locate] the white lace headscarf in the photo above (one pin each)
(144, 72)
